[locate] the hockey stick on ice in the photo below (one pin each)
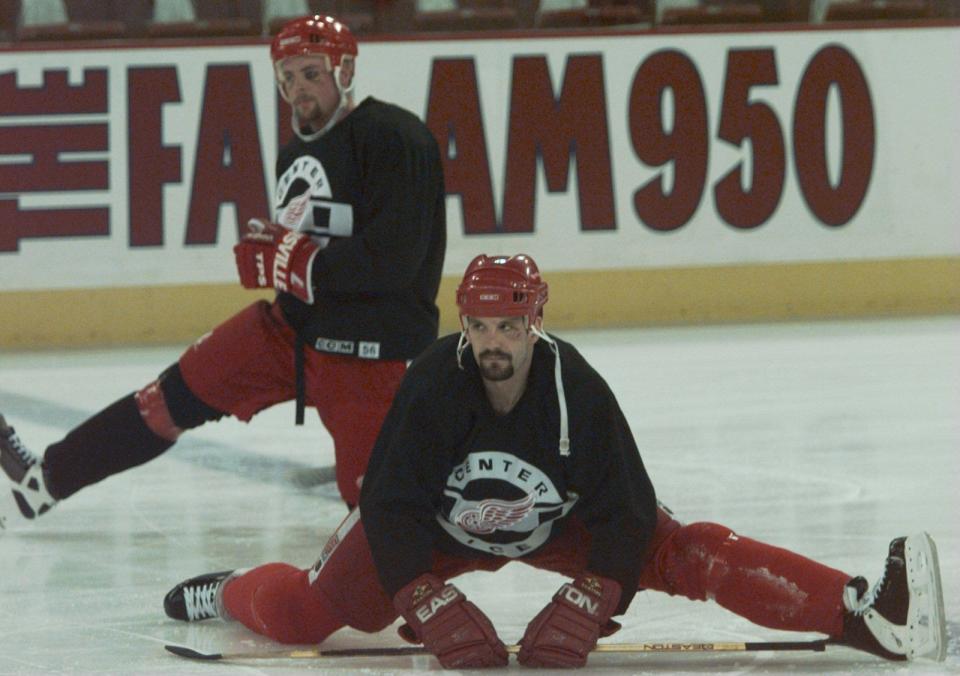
(817, 646)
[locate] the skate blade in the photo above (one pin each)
(927, 635)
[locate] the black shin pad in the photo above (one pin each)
(109, 442)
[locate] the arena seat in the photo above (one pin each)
(60, 20)
(714, 14)
(205, 18)
(594, 13)
(869, 10)
(467, 15)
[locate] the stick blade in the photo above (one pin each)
(818, 646)
(191, 654)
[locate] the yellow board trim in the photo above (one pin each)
(578, 299)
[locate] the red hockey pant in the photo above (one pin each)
(246, 364)
(767, 585)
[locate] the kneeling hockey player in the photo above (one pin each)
(502, 445)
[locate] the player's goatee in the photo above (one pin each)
(495, 370)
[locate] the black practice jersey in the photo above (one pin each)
(370, 192)
(447, 472)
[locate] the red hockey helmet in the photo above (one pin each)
(501, 286)
(314, 35)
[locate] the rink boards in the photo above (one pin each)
(657, 178)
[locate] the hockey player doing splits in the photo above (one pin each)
(503, 444)
(355, 252)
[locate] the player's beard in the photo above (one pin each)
(497, 369)
(313, 115)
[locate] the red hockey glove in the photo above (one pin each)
(272, 255)
(564, 633)
(448, 625)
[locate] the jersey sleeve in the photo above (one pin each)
(397, 496)
(618, 504)
(401, 193)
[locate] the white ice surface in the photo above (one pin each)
(826, 438)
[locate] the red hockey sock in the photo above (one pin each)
(767, 585)
(277, 601)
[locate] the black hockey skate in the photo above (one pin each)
(29, 496)
(197, 598)
(901, 617)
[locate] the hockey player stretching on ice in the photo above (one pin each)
(355, 255)
(504, 445)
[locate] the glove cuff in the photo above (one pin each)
(293, 265)
(592, 595)
(416, 591)
(425, 598)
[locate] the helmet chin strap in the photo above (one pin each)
(564, 444)
(461, 347)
